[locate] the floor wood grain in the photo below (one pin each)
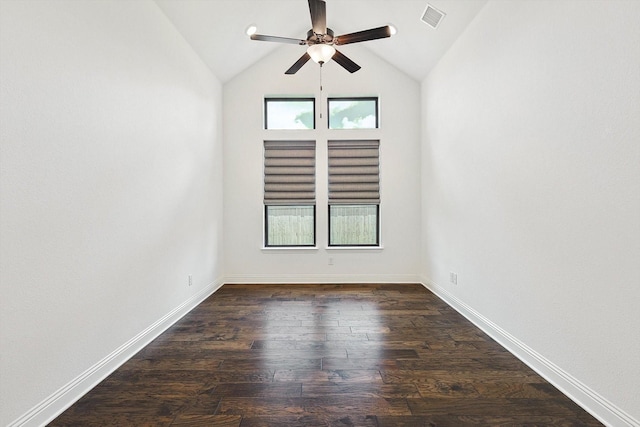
(324, 355)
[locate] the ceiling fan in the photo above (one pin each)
(321, 40)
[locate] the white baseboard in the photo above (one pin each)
(58, 402)
(605, 411)
(321, 278)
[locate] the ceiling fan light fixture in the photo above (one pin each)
(251, 30)
(321, 53)
(393, 30)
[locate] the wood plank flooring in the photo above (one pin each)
(324, 355)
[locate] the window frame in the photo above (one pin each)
(304, 154)
(354, 98)
(354, 245)
(338, 186)
(267, 245)
(268, 99)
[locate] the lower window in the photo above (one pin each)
(354, 225)
(290, 225)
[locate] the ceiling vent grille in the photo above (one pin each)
(432, 16)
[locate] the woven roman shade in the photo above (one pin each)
(289, 172)
(354, 172)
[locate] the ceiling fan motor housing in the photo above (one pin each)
(313, 38)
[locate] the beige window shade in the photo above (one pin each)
(354, 172)
(289, 172)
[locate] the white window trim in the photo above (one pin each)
(289, 248)
(354, 248)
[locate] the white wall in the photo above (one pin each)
(531, 187)
(111, 194)
(245, 260)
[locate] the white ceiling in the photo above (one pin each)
(216, 29)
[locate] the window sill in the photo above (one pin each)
(289, 248)
(354, 248)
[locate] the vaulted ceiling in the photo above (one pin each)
(216, 29)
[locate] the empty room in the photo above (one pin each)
(319, 212)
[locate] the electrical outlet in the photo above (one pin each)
(453, 278)
(330, 261)
(190, 280)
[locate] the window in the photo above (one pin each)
(353, 225)
(289, 193)
(354, 193)
(289, 113)
(290, 226)
(353, 113)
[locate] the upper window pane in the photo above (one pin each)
(353, 113)
(289, 113)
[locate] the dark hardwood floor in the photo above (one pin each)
(324, 355)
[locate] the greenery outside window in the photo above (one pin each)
(289, 113)
(353, 113)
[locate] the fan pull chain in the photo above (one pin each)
(321, 90)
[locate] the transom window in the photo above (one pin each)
(353, 113)
(289, 113)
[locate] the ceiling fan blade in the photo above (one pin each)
(276, 39)
(299, 63)
(318, 10)
(345, 62)
(363, 36)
